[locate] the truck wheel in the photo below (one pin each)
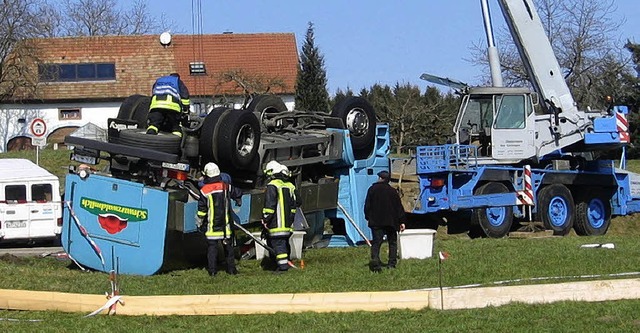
(164, 142)
(495, 221)
(141, 112)
(266, 103)
(238, 133)
(128, 106)
(135, 107)
(593, 217)
(207, 135)
(556, 208)
(360, 119)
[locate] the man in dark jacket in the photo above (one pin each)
(383, 209)
(214, 208)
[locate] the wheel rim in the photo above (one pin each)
(357, 122)
(596, 213)
(245, 140)
(496, 215)
(558, 211)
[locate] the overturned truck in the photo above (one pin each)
(136, 210)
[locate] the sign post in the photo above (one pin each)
(38, 129)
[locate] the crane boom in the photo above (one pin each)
(537, 54)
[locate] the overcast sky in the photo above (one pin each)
(369, 41)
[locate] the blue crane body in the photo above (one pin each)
(527, 157)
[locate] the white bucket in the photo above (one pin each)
(295, 242)
(416, 243)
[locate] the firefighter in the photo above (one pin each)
(170, 100)
(214, 214)
(281, 201)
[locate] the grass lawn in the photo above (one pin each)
(344, 269)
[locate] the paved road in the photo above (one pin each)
(30, 251)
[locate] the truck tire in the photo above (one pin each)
(135, 107)
(556, 208)
(266, 103)
(360, 119)
(208, 147)
(593, 216)
(128, 106)
(141, 112)
(496, 222)
(163, 142)
(238, 134)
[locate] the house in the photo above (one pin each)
(85, 79)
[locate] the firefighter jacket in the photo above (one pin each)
(281, 201)
(214, 206)
(170, 93)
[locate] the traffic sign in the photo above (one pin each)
(39, 141)
(38, 128)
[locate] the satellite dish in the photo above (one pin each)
(165, 38)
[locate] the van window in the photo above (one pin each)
(15, 193)
(41, 192)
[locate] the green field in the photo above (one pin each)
(472, 261)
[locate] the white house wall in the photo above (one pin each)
(16, 118)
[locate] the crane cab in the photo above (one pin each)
(500, 122)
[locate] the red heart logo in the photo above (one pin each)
(112, 223)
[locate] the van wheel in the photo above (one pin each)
(164, 142)
(360, 119)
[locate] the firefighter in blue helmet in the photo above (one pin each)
(281, 201)
(169, 101)
(214, 213)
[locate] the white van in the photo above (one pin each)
(30, 205)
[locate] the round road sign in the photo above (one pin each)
(38, 128)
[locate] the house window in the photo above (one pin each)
(69, 114)
(76, 72)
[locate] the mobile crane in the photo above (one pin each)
(527, 156)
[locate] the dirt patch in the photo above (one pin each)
(11, 259)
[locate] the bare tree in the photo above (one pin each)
(583, 35)
(247, 84)
(99, 18)
(19, 21)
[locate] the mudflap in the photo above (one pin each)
(118, 224)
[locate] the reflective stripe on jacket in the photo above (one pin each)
(170, 93)
(214, 205)
(280, 207)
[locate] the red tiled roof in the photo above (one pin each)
(272, 56)
(141, 59)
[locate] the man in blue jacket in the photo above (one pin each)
(169, 101)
